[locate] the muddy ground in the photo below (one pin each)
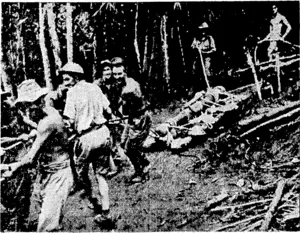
(180, 184)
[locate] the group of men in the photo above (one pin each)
(279, 28)
(83, 111)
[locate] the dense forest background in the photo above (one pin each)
(154, 38)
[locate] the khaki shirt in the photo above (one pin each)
(85, 105)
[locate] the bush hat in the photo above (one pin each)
(30, 91)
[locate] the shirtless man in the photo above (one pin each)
(50, 150)
(275, 34)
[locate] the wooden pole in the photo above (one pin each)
(203, 68)
(251, 64)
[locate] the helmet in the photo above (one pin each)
(204, 25)
(117, 61)
(30, 91)
(105, 63)
(72, 67)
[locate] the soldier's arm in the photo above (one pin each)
(44, 130)
(27, 120)
(69, 111)
(288, 27)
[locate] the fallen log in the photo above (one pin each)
(253, 226)
(270, 114)
(239, 222)
(274, 120)
(242, 89)
(210, 204)
(222, 208)
(273, 206)
(218, 199)
(288, 164)
(289, 124)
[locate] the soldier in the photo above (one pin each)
(275, 34)
(85, 109)
(205, 43)
(105, 81)
(49, 149)
(118, 83)
(132, 104)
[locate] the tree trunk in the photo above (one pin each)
(151, 59)
(5, 79)
(104, 33)
(182, 52)
(45, 58)
(166, 72)
(23, 56)
(145, 63)
(145, 58)
(69, 33)
(54, 38)
(136, 46)
(95, 55)
(20, 62)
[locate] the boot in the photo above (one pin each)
(105, 220)
(145, 164)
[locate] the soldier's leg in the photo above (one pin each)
(100, 158)
(271, 49)
(55, 193)
(82, 161)
(139, 162)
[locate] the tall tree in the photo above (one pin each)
(42, 41)
(5, 79)
(54, 37)
(20, 45)
(69, 32)
(136, 45)
(164, 36)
